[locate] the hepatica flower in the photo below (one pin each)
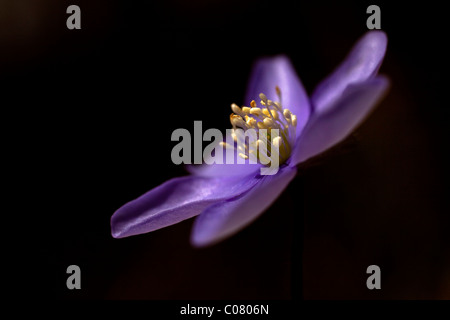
(227, 197)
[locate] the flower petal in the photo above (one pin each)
(325, 130)
(361, 64)
(175, 200)
(224, 219)
(230, 166)
(278, 71)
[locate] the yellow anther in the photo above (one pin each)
(266, 112)
(242, 147)
(294, 120)
(276, 141)
(255, 111)
(253, 104)
(237, 120)
(236, 108)
(246, 110)
(268, 122)
(250, 121)
(287, 114)
(277, 89)
(274, 114)
(261, 125)
(263, 97)
(260, 143)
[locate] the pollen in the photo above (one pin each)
(269, 115)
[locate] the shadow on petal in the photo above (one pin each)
(361, 64)
(325, 130)
(225, 219)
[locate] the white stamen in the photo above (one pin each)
(226, 145)
(243, 156)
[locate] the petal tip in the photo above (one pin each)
(115, 235)
(199, 242)
(362, 63)
(115, 232)
(376, 41)
(118, 229)
(377, 35)
(280, 57)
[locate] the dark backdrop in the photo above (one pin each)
(93, 111)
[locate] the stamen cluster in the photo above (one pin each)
(271, 115)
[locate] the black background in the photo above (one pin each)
(92, 112)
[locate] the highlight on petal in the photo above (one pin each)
(267, 73)
(362, 63)
(174, 201)
(325, 130)
(224, 219)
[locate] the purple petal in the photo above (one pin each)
(325, 130)
(175, 200)
(224, 219)
(223, 170)
(361, 64)
(278, 71)
(228, 170)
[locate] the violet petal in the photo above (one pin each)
(325, 130)
(222, 220)
(176, 200)
(232, 168)
(278, 71)
(361, 64)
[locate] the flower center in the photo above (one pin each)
(271, 115)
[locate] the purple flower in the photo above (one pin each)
(227, 197)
